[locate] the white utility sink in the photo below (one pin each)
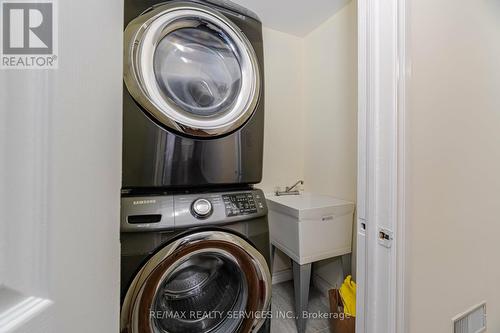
(310, 227)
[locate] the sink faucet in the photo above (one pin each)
(289, 190)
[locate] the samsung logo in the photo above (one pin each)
(143, 202)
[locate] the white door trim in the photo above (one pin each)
(401, 222)
(382, 72)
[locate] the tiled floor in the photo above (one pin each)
(283, 302)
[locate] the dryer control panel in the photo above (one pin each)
(239, 204)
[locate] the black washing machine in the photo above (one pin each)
(195, 263)
(193, 103)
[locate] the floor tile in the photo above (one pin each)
(283, 306)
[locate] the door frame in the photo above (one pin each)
(383, 71)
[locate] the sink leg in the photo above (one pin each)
(301, 283)
(273, 253)
(346, 264)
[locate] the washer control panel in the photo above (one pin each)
(213, 208)
(178, 211)
(239, 204)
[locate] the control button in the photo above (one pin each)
(201, 208)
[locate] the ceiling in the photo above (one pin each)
(293, 16)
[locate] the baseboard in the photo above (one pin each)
(282, 276)
(286, 275)
(321, 284)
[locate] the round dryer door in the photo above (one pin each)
(204, 282)
(191, 68)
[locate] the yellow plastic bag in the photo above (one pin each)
(348, 294)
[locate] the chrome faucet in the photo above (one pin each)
(289, 189)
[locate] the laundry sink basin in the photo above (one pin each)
(309, 227)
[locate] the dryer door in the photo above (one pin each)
(204, 282)
(191, 68)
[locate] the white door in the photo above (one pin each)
(380, 224)
(60, 157)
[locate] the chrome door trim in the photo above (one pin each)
(129, 312)
(141, 38)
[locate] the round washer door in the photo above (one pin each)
(203, 282)
(191, 68)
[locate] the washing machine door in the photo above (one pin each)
(191, 68)
(204, 282)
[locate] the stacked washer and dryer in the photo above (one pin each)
(194, 232)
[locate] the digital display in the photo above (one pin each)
(239, 204)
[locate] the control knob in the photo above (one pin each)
(201, 208)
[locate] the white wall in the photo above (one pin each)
(284, 116)
(330, 106)
(453, 155)
(310, 130)
(283, 132)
